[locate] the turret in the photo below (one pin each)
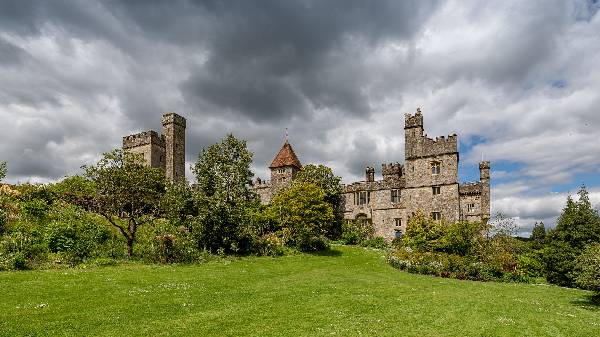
(174, 132)
(391, 171)
(484, 177)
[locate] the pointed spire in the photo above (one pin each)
(286, 157)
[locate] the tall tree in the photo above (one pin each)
(303, 214)
(577, 227)
(323, 177)
(223, 179)
(128, 193)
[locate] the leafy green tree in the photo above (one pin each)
(127, 192)
(423, 233)
(588, 270)
(303, 213)
(323, 177)
(577, 227)
(2, 170)
(538, 235)
(223, 171)
(222, 193)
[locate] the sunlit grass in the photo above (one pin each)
(346, 292)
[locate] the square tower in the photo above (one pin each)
(174, 133)
(284, 167)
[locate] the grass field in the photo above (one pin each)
(346, 292)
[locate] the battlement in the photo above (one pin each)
(415, 121)
(173, 118)
(470, 188)
(484, 165)
(143, 138)
(261, 183)
(391, 170)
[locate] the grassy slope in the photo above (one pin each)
(352, 292)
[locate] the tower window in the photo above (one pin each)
(398, 222)
(471, 208)
(436, 216)
(436, 167)
(395, 195)
(281, 170)
(436, 190)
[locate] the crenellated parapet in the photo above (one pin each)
(470, 188)
(391, 170)
(441, 145)
(173, 118)
(143, 138)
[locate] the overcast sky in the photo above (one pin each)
(518, 81)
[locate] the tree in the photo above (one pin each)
(303, 213)
(127, 192)
(588, 270)
(2, 170)
(577, 227)
(323, 177)
(538, 235)
(223, 171)
(222, 193)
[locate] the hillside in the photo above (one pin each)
(346, 292)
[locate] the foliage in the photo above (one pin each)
(223, 171)
(128, 193)
(424, 234)
(303, 214)
(2, 170)
(462, 238)
(222, 195)
(538, 235)
(168, 242)
(357, 231)
(323, 177)
(577, 227)
(587, 269)
(376, 242)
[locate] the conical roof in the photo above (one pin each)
(286, 157)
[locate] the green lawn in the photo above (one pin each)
(350, 292)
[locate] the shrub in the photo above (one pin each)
(356, 231)
(424, 234)
(377, 242)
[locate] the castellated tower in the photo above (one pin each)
(431, 171)
(166, 151)
(174, 133)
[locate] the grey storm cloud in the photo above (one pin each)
(510, 77)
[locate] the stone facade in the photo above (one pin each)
(166, 151)
(427, 182)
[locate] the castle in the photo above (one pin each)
(166, 151)
(427, 182)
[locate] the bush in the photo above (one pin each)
(378, 242)
(355, 232)
(165, 242)
(424, 234)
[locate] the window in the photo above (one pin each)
(395, 195)
(398, 233)
(436, 167)
(281, 170)
(470, 208)
(436, 216)
(398, 222)
(362, 197)
(436, 190)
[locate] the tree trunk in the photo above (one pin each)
(129, 247)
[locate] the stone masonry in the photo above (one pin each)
(427, 183)
(166, 151)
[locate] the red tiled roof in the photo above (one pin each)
(286, 157)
